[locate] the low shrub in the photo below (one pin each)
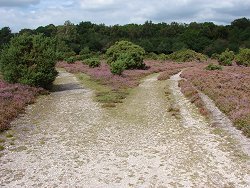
(70, 60)
(226, 58)
(75, 58)
(29, 59)
(243, 58)
(117, 67)
(215, 56)
(151, 56)
(162, 57)
(92, 62)
(212, 66)
(186, 56)
(130, 62)
(127, 52)
(85, 51)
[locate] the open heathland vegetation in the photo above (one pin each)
(148, 102)
(229, 88)
(112, 60)
(13, 99)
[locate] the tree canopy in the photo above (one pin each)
(206, 38)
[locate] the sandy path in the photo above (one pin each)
(67, 140)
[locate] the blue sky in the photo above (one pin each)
(18, 14)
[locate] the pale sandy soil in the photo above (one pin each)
(67, 140)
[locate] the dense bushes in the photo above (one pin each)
(73, 59)
(92, 62)
(127, 53)
(85, 55)
(151, 56)
(243, 58)
(186, 55)
(70, 60)
(215, 56)
(226, 58)
(29, 60)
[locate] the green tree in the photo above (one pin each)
(48, 31)
(29, 60)
(165, 46)
(241, 23)
(5, 36)
(68, 33)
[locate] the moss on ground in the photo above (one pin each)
(103, 93)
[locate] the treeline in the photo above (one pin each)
(206, 38)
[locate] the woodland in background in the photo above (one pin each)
(206, 38)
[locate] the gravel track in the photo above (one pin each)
(67, 140)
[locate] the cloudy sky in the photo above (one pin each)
(18, 14)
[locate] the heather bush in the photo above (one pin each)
(29, 60)
(191, 92)
(13, 99)
(212, 66)
(229, 89)
(226, 58)
(186, 56)
(243, 58)
(92, 62)
(130, 54)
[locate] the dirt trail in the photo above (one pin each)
(67, 140)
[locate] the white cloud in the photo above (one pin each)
(96, 3)
(20, 14)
